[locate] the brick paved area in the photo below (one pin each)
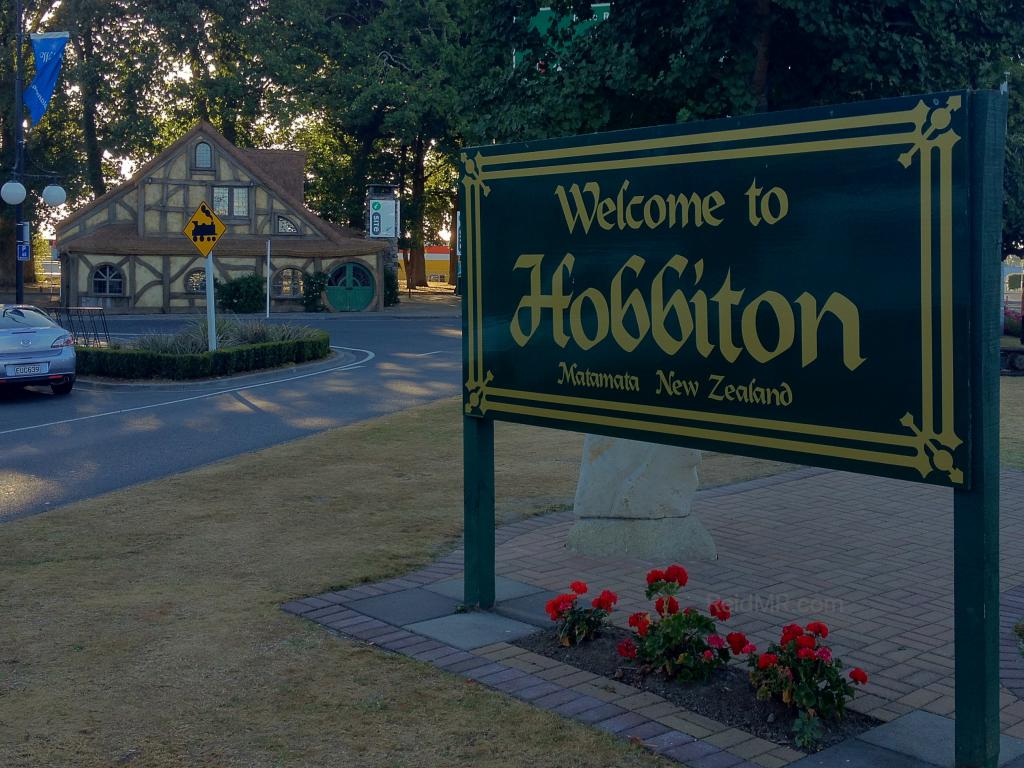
(869, 556)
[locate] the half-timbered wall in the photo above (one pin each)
(157, 206)
(174, 189)
(121, 209)
(158, 283)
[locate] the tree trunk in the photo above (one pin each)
(453, 242)
(360, 177)
(90, 98)
(201, 82)
(8, 254)
(762, 42)
(417, 262)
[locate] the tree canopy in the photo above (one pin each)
(387, 91)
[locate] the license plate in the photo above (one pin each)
(25, 370)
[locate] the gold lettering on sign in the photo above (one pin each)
(670, 384)
(584, 207)
(574, 376)
(673, 320)
(749, 393)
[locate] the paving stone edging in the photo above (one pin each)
(913, 684)
(621, 710)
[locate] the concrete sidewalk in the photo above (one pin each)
(435, 301)
(869, 556)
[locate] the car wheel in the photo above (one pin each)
(62, 389)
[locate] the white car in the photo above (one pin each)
(35, 350)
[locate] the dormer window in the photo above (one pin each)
(286, 226)
(204, 155)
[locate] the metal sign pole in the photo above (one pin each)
(211, 309)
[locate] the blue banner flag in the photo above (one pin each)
(49, 52)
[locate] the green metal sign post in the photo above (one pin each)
(976, 511)
(816, 286)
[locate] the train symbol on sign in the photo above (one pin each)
(203, 232)
(375, 223)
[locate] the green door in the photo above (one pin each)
(350, 288)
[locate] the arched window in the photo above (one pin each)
(204, 155)
(286, 226)
(288, 283)
(107, 280)
(195, 281)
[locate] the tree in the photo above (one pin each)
(220, 73)
(663, 61)
(383, 72)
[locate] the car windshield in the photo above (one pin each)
(23, 317)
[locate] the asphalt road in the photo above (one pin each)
(60, 449)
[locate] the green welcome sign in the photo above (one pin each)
(794, 286)
(818, 286)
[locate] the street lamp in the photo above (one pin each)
(13, 192)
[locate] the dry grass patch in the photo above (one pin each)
(143, 628)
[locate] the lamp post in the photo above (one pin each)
(13, 192)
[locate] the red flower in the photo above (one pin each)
(642, 622)
(665, 605)
(677, 574)
(736, 642)
(720, 610)
(817, 628)
(858, 675)
(579, 587)
(655, 576)
(767, 660)
(825, 654)
(708, 656)
(790, 632)
(715, 641)
(556, 606)
(627, 649)
(748, 648)
(551, 610)
(805, 653)
(806, 641)
(605, 601)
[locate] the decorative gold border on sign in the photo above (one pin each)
(919, 443)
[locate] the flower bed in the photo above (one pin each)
(726, 697)
(794, 692)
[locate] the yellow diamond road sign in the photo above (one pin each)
(204, 229)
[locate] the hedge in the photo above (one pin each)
(136, 364)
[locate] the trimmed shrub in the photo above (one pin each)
(312, 292)
(121, 363)
(242, 295)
